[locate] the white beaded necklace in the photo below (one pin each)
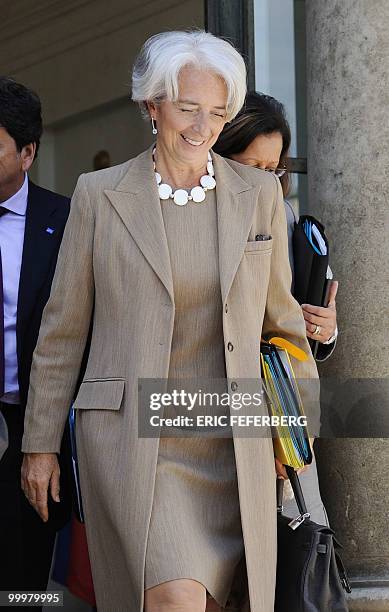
(181, 196)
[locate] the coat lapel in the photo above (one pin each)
(136, 200)
(236, 202)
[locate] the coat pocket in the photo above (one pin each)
(100, 394)
(259, 246)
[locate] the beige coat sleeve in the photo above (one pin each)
(64, 331)
(283, 314)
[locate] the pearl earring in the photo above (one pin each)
(154, 130)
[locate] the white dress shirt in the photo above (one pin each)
(12, 226)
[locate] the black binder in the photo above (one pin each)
(311, 270)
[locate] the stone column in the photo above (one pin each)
(348, 173)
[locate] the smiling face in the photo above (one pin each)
(189, 127)
(263, 152)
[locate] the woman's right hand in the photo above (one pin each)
(39, 472)
(281, 471)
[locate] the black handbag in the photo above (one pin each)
(310, 574)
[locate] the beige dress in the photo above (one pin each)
(195, 530)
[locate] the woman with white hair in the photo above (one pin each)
(181, 258)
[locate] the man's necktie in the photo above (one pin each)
(3, 211)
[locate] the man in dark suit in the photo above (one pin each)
(32, 221)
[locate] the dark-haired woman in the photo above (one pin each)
(260, 136)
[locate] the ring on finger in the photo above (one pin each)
(317, 330)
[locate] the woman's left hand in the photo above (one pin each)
(324, 319)
(281, 471)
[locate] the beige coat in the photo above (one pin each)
(114, 254)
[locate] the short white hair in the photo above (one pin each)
(162, 57)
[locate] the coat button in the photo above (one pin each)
(226, 308)
(234, 386)
(230, 346)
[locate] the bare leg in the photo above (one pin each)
(181, 595)
(213, 606)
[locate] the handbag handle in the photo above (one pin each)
(280, 493)
(297, 490)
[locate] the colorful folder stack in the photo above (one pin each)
(291, 442)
